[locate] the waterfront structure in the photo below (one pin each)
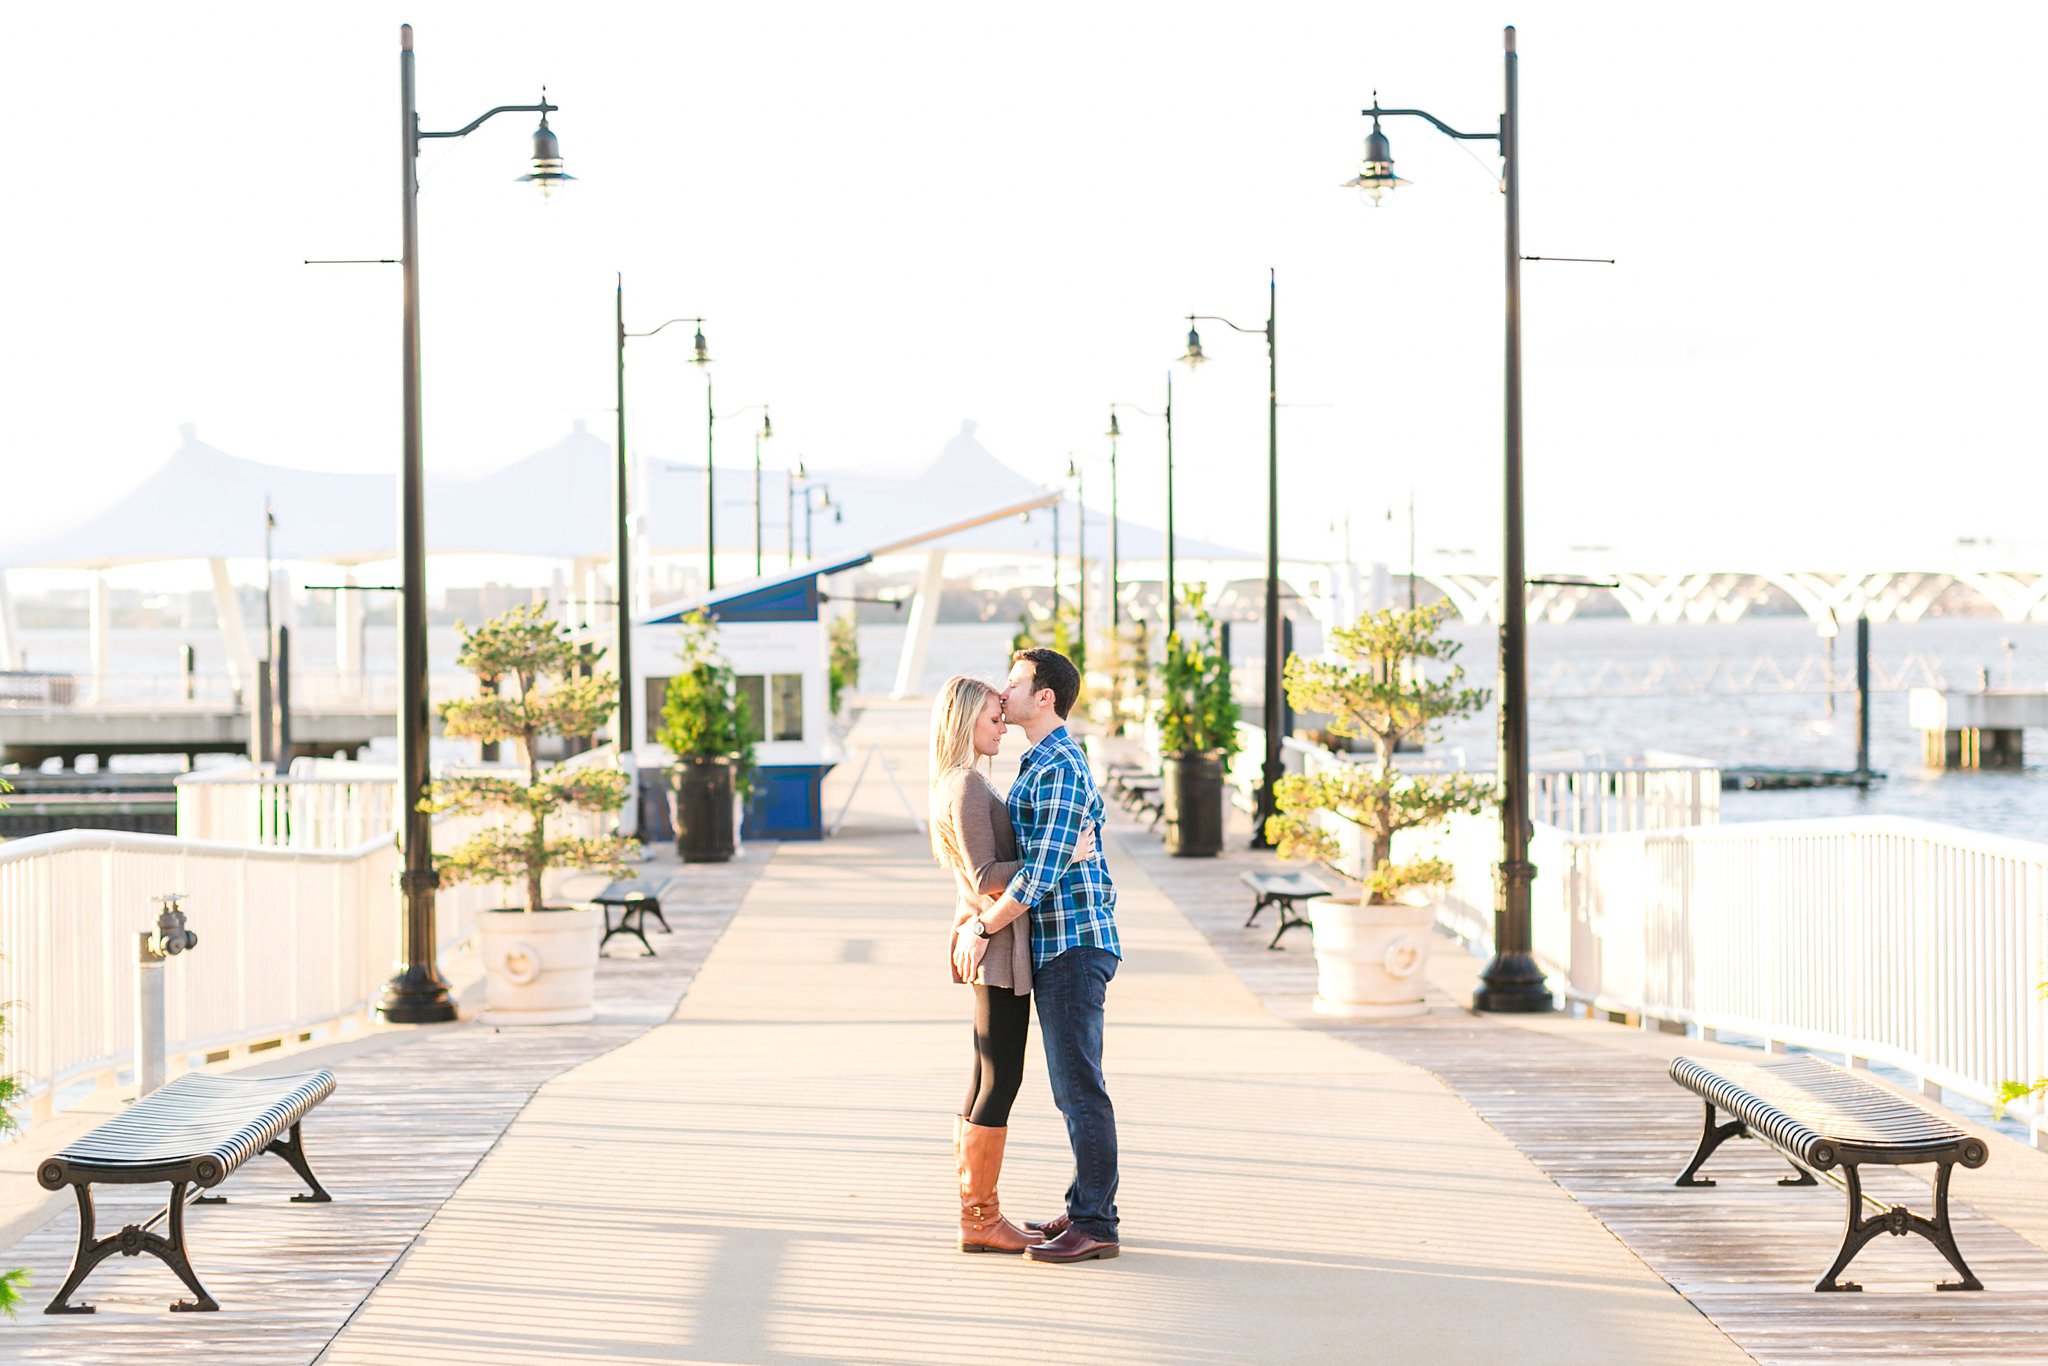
(775, 633)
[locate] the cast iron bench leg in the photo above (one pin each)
(625, 926)
(652, 906)
(1899, 1221)
(292, 1148)
(1943, 1235)
(1290, 918)
(1713, 1136)
(129, 1242)
(1265, 900)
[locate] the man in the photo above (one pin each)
(1074, 946)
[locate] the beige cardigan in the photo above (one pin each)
(981, 849)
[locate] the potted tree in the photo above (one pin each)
(540, 961)
(1371, 947)
(1197, 735)
(707, 724)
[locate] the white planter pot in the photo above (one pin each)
(540, 969)
(1370, 959)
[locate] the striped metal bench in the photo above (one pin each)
(1822, 1118)
(1286, 890)
(193, 1134)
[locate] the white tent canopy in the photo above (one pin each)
(203, 503)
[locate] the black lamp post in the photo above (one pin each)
(262, 739)
(711, 420)
(824, 499)
(1055, 565)
(1116, 617)
(766, 433)
(1273, 720)
(1171, 607)
(793, 477)
(1075, 473)
(620, 510)
(1512, 981)
(418, 994)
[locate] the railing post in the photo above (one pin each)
(149, 1017)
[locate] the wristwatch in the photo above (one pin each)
(980, 926)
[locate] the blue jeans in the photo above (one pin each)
(1070, 991)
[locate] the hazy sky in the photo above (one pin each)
(1821, 344)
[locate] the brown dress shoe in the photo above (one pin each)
(1050, 1229)
(1071, 1246)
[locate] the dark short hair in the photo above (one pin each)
(1051, 669)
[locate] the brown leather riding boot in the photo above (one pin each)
(982, 1225)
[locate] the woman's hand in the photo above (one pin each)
(968, 951)
(1084, 848)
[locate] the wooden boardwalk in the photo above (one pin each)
(764, 1179)
(412, 1115)
(1591, 1104)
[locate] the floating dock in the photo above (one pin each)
(1760, 779)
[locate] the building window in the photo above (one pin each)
(754, 689)
(788, 718)
(776, 704)
(657, 694)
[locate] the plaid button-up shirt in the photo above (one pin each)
(1052, 801)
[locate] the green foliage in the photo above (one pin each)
(703, 714)
(12, 1283)
(1059, 630)
(1376, 687)
(1067, 638)
(537, 656)
(2013, 1092)
(1197, 712)
(843, 670)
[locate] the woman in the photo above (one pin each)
(971, 837)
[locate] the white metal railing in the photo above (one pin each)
(1586, 796)
(1884, 939)
(1599, 799)
(313, 690)
(256, 806)
(291, 940)
(320, 804)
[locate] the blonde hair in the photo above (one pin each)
(955, 712)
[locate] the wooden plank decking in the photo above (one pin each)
(412, 1115)
(1591, 1104)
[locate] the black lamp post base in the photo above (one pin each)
(1512, 984)
(416, 997)
(1264, 806)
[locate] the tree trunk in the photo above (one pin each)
(537, 831)
(1382, 849)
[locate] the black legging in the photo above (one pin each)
(1002, 1026)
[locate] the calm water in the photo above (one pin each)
(1632, 696)
(1609, 687)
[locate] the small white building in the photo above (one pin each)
(775, 632)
